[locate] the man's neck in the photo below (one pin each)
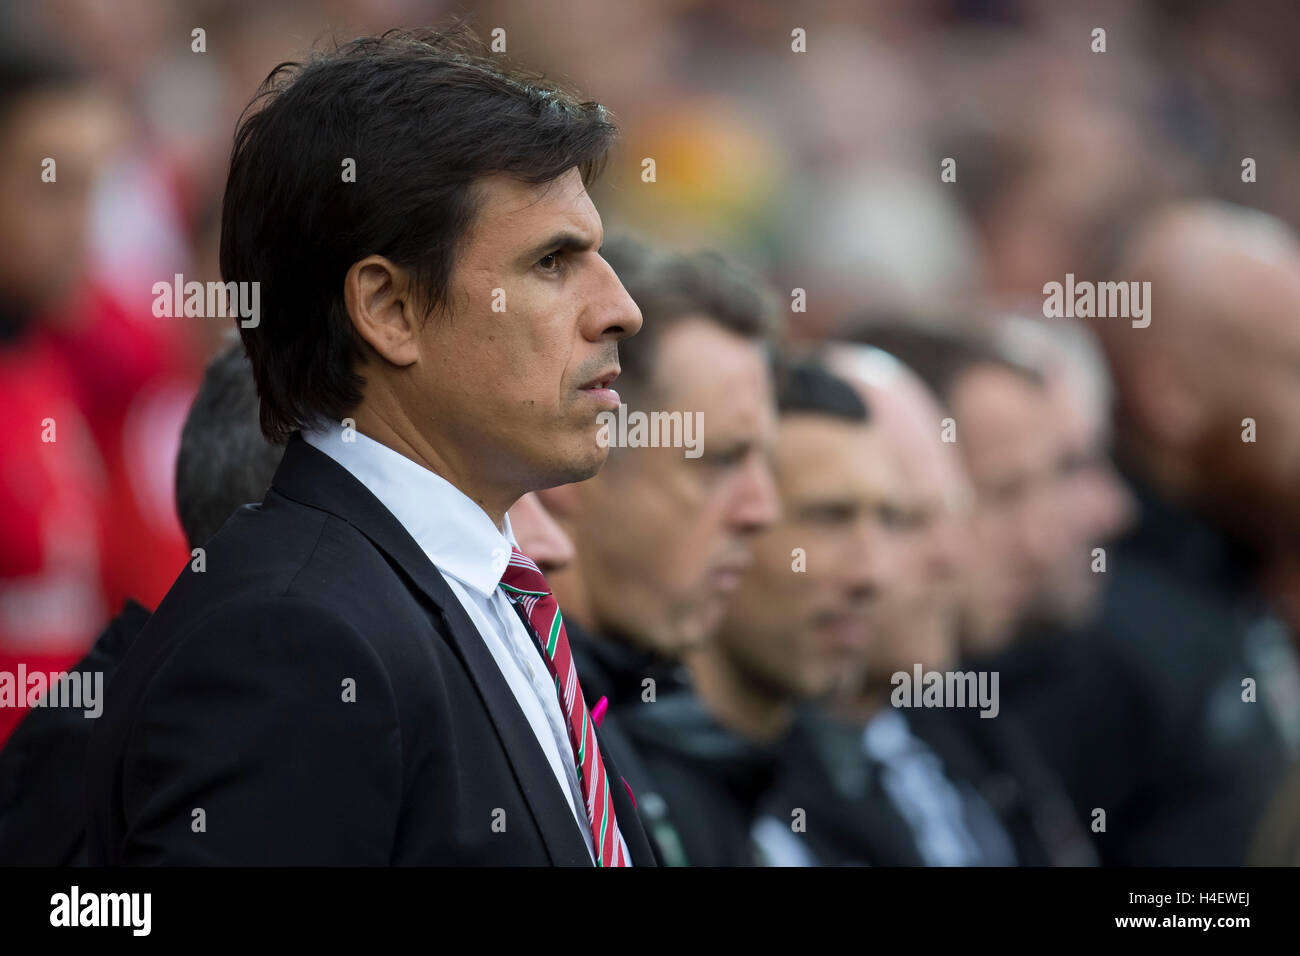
(859, 706)
(397, 434)
(737, 702)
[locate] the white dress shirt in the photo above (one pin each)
(939, 814)
(778, 845)
(471, 553)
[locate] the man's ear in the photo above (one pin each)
(1169, 409)
(378, 296)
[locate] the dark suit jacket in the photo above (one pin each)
(1140, 713)
(42, 766)
(711, 780)
(228, 735)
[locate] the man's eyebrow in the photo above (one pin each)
(837, 503)
(559, 242)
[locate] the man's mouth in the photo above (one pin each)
(598, 388)
(727, 576)
(844, 631)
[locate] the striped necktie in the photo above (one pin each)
(525, 585)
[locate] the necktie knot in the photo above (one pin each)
(522, 578)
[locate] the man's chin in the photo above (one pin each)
(579, 466)
(694, 632)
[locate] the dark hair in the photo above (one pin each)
(224, 459)
(25, 71)
(939, 356)
(425, 115)
(670, 286)
(807, 386)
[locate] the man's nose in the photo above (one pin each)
(1113, 501)
(945, 548)
(756, 505)
(870, 559)
(614, 315)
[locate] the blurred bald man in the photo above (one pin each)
(1228, 351)
(1223, 347)
(1175, 712)
(996, 418)
(934, 498)
(1094, 506)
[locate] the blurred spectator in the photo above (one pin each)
(921, 608)
(52, 483)
(663, 534)
(1145, 713)
(1093, 506)
(943, 786)
(1213, 684)
(794, 627)
(123, 382)
(999, 422)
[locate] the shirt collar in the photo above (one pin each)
(450, 528)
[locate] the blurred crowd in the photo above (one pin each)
(1101, 519)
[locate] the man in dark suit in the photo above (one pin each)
(365, 670)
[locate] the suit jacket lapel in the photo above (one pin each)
(312, 478)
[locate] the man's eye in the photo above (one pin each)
(832, 514)
(728, 458)
(891, 517)
(550, 262)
